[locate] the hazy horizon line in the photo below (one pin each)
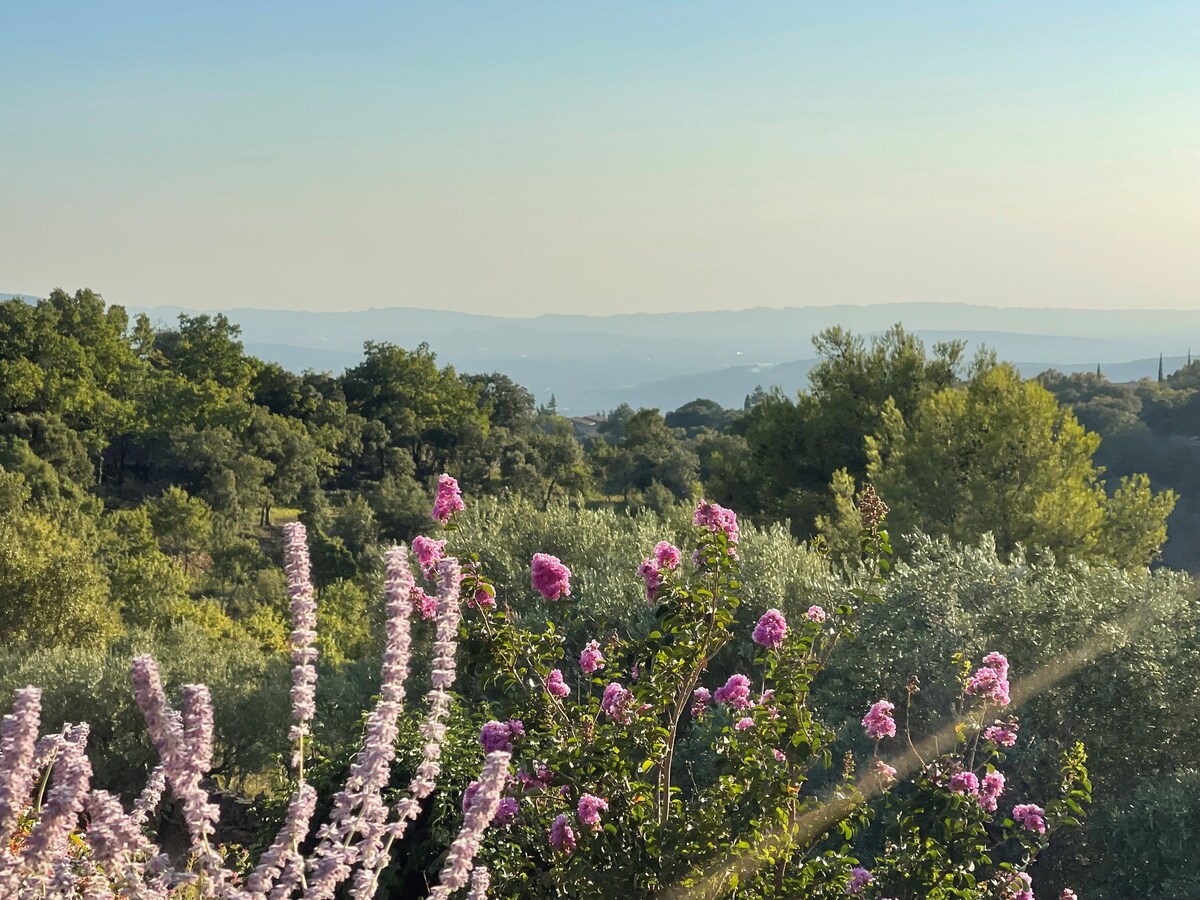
(648, 313)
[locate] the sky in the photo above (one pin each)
(602, 157)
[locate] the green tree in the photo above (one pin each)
(52, 592)
(795, 446)
(422, 407)
(1001, 456)
(182, 524)
(208, 348)
(700, 414)
(147, 586)
(650, 452)
(558, 461)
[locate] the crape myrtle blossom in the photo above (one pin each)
(744, 723)
(990, 790)
(448, 500)
(771, 629)
(859, 879)
(717, 518)
(735, 692)
(591, 659)
(550, 577)
(1030, 817)
(562, 837)
(815, 614)
(666, 555)
(878, 721)
(424, 604)
(555, 686)
(506, 811)
(666, 558)
(428, 552)
(496, 735)
(482, 593)
(881, 770)
(1002, 733)
(1068, 894)
(965, 783)
(481, 599)
(701, 699)
(990, 681)
(1020, 887)
(649, 573)
(615, 703)
(589, 809)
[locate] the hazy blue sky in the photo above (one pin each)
(603, 156)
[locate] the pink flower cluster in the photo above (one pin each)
(589, 809)
(666, 558)
(701, 699)
(550, 577)
(990, 681)
(1020, 887)
(448, 500)
(616, 702)
(966, 783)
(428, 552)
(1002, 733)
(859, 879)
(562, 837)
(986, 792)
(1030, 817)
(555, 686)
(735, 692)
(885, 773)
(815, 614)
(716, 518)
(423, 604)
(771, 629)
(591, 659)
(990, 790)
(506, 811)
(878, 721)
(496, 735)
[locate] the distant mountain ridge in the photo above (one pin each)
(593, 363)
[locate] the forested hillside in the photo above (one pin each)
(144, 474)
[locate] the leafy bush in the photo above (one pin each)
(1117, 649)
(92, 685)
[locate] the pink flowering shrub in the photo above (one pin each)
(704, 783)
(614, 765)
